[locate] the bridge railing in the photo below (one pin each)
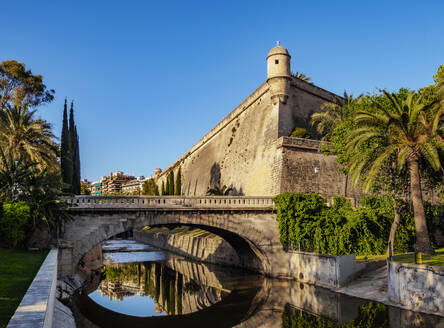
(167, 202)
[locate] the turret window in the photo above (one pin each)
(276, 61)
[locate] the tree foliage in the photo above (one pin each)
(404, 133)
(149, 187)
(29, 167)
(392, 143)
(332, 115)
(13, 221)
(306, 222)
(301, 76)
(24, 135)
(178, 185)
(66, 163)
(20, 87)
(70, 154)
(75, 155)
(217, 191)
(300, 133)
(170, 184)
(22, 181)
(84, 190)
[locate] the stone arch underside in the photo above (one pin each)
(252, 235)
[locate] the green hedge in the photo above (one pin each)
(306, 222)
(13, 221)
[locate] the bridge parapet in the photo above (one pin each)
(170, 202)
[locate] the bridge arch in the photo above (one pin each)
(252, 233)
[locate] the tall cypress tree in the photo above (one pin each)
(167, 185)
(178, 182)
(74, 152)
(163, 189)
(76, 161)
(171, 183)
(65, 152)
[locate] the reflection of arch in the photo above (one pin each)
(249, 254)
(232, 310)
(245, 232)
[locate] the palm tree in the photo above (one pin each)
(301, 76)
(14, 177)
(23, 135)
(333, 114)
(216, 191)
(409, 132)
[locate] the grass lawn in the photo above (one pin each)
(437, 259)
(370, 258)
(17, 270)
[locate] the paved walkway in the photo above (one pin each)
(371, 285)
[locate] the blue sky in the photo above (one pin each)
(150, 78)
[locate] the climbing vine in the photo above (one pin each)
(307, 223)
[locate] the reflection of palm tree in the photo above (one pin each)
(216, 191)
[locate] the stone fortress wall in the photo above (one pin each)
(249, 150)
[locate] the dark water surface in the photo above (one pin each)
(142, 286)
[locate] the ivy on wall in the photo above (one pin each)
(308, 224)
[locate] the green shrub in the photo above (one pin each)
(13, 223)
(307, 223)
(300, 133)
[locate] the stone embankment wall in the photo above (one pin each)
(416, 287)
(323, 270)
(206, 249)
(39, 307)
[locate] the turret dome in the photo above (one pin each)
(278, 50)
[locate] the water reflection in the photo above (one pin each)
(150, 288)
(175, 292)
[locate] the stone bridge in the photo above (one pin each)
(248, 223)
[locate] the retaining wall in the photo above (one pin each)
(205, 249)
(416, 287)
(37, 306)
(324, 270)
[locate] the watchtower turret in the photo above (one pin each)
(278, 73)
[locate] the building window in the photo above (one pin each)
(276, 61)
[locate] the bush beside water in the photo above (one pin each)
(306, 222)
(14, 219)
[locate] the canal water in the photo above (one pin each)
(142, 286)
